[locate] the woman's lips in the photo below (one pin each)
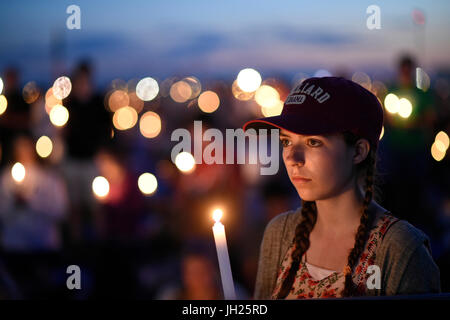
(300, 179)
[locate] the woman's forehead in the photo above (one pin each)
(292, 134)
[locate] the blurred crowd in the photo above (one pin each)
(161, 246)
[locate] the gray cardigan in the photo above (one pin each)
(404, 258)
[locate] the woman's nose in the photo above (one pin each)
(295, 156)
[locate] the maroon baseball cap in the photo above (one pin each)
(328, 105)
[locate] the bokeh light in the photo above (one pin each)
(436, 153)
(147, 183)
(30, 92)
(208, 101)
(249, 80)
(100, 187)
(164, 88)
(180, 91)
(18, 172)
(62, 87)
(362, 79)
(404, 108)
(3, 104)
(273, 111)
(51, 100)
(147, 89)
(44, 146)
(382, 133)
(196, 86)
(185, 162)
(440, 145)
(379, 89)
(118, 99)
(391, 103)
(125, 118)
(443, 138)
(150, 124)
(422, 79)
(59, 115)
(1, 85)
(267, 96)
(239, 94)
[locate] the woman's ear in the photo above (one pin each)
(361, 150)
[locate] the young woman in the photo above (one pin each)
(339, 242)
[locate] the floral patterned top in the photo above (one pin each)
(305, 286)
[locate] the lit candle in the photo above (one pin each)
(222, 254)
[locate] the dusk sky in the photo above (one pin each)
(218, 38)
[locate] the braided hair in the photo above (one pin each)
(366, 169)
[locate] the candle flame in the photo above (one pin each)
(217, 214)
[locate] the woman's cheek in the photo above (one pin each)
(324, 174)
(284, 155)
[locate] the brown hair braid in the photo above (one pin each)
(309, 214)
(301, 240)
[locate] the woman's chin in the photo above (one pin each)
(305, 195)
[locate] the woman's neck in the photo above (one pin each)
(341, 214)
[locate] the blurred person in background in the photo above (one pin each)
(407, 143)
(268, 201)
(122, 211)
(207, 186)
(31, 210)
(199, 280)
(199, 276)
(119, 226)
(16, 119)
(412, 135)
(88, 128)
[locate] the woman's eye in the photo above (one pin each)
(314, 142)
(285, 142)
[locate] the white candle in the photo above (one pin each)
(222, 254)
